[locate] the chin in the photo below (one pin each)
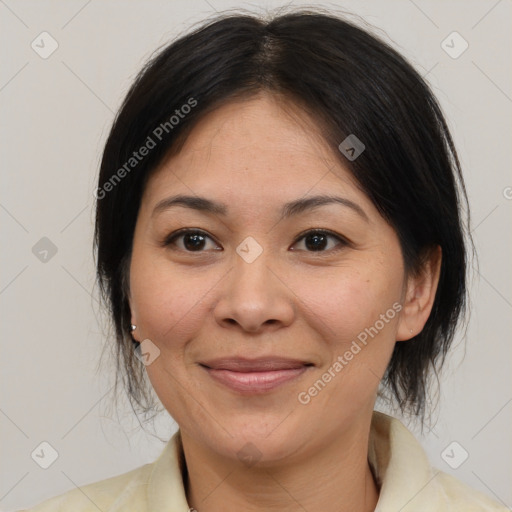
(262, 441)
(254, 451)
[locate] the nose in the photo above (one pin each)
(254, 298)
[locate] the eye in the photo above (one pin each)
(190, 240)
(318, 241)
(194, 240)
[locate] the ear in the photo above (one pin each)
(133, 324)
(125, 283)
(420, 292)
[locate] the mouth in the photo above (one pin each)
(254, 376)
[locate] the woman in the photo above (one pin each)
(279, 240)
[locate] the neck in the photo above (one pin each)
(335, 478)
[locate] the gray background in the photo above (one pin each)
(56, 113)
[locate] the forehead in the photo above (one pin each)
(257, 147)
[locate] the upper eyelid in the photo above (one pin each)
(320, 230)
(300, 236)
(173, 237)
(342, 239)
(186, 231)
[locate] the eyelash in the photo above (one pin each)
(342, 241)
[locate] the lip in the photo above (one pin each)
(254, 376)
(259, 364)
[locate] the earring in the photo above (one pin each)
(133, 327)
(410, 330)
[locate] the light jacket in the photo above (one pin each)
(406, 481)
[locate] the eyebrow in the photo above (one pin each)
(289, 209)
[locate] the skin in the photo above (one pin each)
(292, 301)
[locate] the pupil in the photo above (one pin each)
(318, 241)
(195, 241)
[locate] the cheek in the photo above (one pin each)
(345, 303)
(168, 304)
(346, 313)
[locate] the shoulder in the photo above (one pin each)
(105, 494)
(407, 480)
(148, 488)
(459, 496)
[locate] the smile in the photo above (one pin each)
(254, 382)
(254, 376)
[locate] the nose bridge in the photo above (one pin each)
(254, 277)
(251, 266)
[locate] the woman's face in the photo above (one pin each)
(274, 324)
